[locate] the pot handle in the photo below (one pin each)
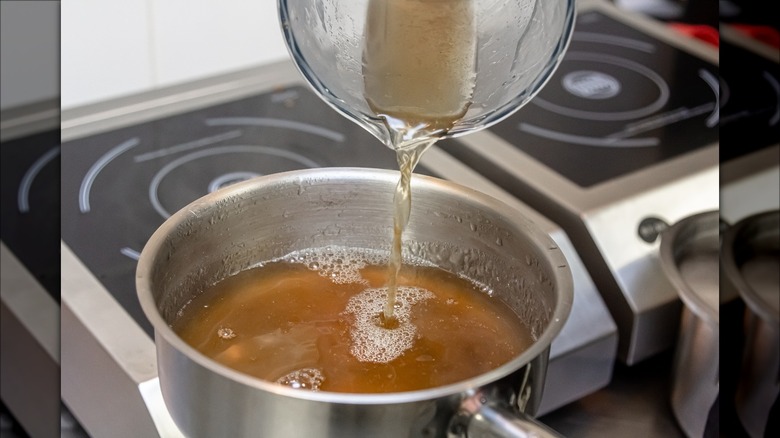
(478, 419)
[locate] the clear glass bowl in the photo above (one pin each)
(508, 49)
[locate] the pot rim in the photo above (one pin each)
(690, 297)
(732, 271)
(559, 270)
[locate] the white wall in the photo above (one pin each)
(111, 48)
(30, 49)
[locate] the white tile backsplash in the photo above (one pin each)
(203, 38)
(113, 48)
(105, 50)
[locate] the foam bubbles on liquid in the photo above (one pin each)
(341, 265)
(226, 333)
(371, 342)
(306, 378)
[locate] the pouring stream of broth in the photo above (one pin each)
(419, 70)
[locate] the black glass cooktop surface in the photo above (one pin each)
(621, 100)
(31, 205)
(119, 186)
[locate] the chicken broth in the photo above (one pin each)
(315, 322)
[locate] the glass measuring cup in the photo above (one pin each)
(448, 67)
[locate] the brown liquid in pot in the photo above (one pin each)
(316, 325)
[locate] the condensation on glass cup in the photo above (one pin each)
(488, 58)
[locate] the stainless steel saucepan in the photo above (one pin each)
(750, 260)
(456, 228)
(689, 255)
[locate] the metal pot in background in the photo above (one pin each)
(689, 253)
(751, 265)
(456, 228)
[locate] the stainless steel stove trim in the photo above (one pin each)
(638, 272)
(31, 348)
(109, 364)
(739, 180)
(29, 119)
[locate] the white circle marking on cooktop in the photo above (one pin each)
(590, 84)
